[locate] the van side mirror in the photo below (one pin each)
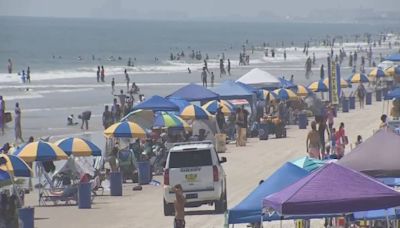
(223, 160)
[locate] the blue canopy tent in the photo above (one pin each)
(286, 83)
(229, 90)
(249, 210)
(394, 57)
(157, 103)
(181, 103)
(194, 92)
(382, 214)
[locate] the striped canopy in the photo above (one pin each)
(195, 112)
(391, 71)
(272, 95)
(302, 90)
(41, 151)
(125, 129)
(78, 147)
(357, 78)
(285, 94)
(343, 83)
(377, 73)
(4, 175)
(15, 166)
(169, 120)
(212, 107)
(318, 86)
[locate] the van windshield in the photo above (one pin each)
(190, 159)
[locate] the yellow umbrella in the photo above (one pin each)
(212, 107)
(377, 73)
(41, 151)
(286, 94)
(15, 166)
(391, 71)
(125, 129)
(272, 95)
(302, 90)
(195, 112)
(343, 83)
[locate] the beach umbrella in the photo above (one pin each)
(285, 94)
(169, 120)
(125, 129)
(4, 175)
(195, 112)
(144, 117)
(391, 71)
(318, 86)
(307, 163)
(15, 166)
(41, 151)
(377, 73)
(286, 83)
(357, 78)
(78, 147)
(397, 70)
(302, 90)
(212, 107)
(393, 94)
(343, 83)
(272, 95)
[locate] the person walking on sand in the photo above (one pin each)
(313, 141)
(98, 73)
(322, 72)
(361, 94)
(17, 126)
(212, 79)
(204, 77)
(179, 204)
(127, 79)
(341, 141)
(112, 86)
(102, 74)
(107, 117)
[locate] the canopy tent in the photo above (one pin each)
(378, 156)
(393, 94)
(248, 87)
(394, 57)
(157, 103)
(144, 117)
(181, 103)
(259, 79)
(194, 92)
(390, 213)
(230, 90)
(332, 189)
(250, 209)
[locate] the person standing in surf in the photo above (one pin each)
(28, 75)
(204, 77)
(9, 66)
(127, 79)
(112, 86)
(98, 73)
(102, 74)
(229, 67)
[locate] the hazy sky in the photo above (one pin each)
(185, 8)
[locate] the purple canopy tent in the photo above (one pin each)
(332, 189)
(378, 156)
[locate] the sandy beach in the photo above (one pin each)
(47, 103)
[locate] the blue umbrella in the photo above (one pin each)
(15, 166)
(4, 175)
(393, 94)
(318, 86)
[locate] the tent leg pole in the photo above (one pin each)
(387, 219)
(281, 223)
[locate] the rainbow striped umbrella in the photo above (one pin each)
(343, 83)
(41, 151)
(15, 166)
(272, 95)
(212, 107)
(377, 73)
(357, 78)
(391, 71)
(125, 129)
(318, 86)
(167, 120)
(78, 147)
(195, 112)
(302, 90)
(285, 94)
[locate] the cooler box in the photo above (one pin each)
(116, 184)
(368, 98)
(144, 171)
(220, 143)
(26, 216)
(263, 131)
(378, 95)
(84, 196)
(352, 101)
(345, 105)
(303, 122)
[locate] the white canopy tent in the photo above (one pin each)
(259, 79)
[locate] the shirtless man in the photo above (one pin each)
(313, 141)
(179, 205)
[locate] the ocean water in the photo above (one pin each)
(52, 46)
